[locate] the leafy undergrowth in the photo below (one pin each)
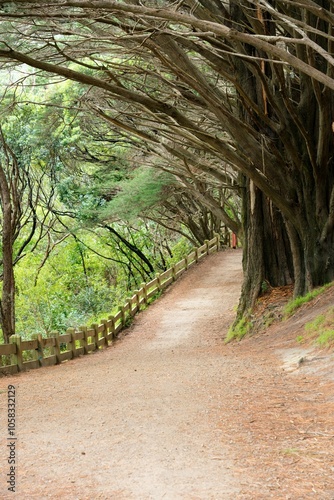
(311, 316)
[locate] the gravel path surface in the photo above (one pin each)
(167, 412)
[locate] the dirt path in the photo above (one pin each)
(170, 412)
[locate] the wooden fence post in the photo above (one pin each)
(137, 299)
(57, 347)
(17, 358)
(53, 349)
(105, 331)
(96, 335)
(38, 354)
(128, 300)
(145, 292)
(70, 331)
(217, 241)
(173, 273)
(122, 311)
(83, 342)
(112, 329)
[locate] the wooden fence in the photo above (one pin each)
(22, 355)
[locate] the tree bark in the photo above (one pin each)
(7, 303)
(275, 125)
(267, 256)
(133, 249)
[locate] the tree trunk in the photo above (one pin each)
(281, 251)
(313, 256)
(133, 249)
(267, 257)
(291, 246)
(7, 303)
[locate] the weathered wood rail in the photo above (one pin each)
(21, 355)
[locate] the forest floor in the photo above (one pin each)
(171, 412)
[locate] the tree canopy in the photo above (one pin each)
(66, 254)
(227, 96)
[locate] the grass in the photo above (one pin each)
(239, 330)
(296, 303)
(128, 322)
(313, 326)
(326, 338)
(156, 296)
(321, 329)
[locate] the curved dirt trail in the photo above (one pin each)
(134, 421)
(170, 412)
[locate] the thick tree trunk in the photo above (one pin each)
(267, 257)
(293, 248)
(7, 303)
(313, 257)
(283, 251)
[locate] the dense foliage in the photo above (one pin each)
(231, 99)
(80, 240)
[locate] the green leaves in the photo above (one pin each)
(139, 194)
(83, 175)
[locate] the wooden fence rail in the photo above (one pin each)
(22, 355)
